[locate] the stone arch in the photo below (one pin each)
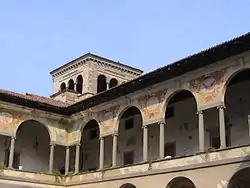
(240, 179)
(181, 130)
(170, 95)
(71, 85)
(85, 124)
(231, 77)
(79, 84)
(32, 146)
(121, 112)
(181, 182)
(89, 154)
(130, 136)
(63, 86)
(101, 83)
(127, 185)
(237, 107)
(113, 82)
(43, 124)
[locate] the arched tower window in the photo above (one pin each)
(113, 82)
(71, 85)
(101, 83)
(63, 87)
(79, 84)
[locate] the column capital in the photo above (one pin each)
(199, 112)
(162, 122)
(52, 144)
(101, 138)
(144, 126)
(115, 134)
(221, 107)
(78, 144)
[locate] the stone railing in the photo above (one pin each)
(219, 157)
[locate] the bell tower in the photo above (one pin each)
(88, 75)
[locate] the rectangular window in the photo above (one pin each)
(170, 112)
(128, 157)
(129, 124)
(170, 149)
(93, 134)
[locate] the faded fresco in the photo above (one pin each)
(151, 105)
(208, 88)
(9, 121)
(106, 118)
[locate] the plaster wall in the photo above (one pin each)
(207, 177)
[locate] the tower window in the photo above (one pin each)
(101, 83)
(63, 87)
(79, 84)
(113, 82)
(71, 85)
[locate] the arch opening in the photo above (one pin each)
(237, 105)
(127, 185)
(101, 83)
(130, 137)
(240, 179)
(181, 131)
(180, 182)
(89, 154)
(71, 85)
(113, 82)
(79, 84)
(32, 147)
(63, 87)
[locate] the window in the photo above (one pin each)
(101, 83)
(128, 157)
(170, 149)
(79, 84)
(93, 134)
(63, 87)
(170, 112)
(129, 124)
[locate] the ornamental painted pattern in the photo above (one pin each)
(9, 121)
(106, 119)
(151, 104)
(208, 88)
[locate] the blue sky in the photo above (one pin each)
(38, 36)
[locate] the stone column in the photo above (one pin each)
(162, 140)
(222, 126)
(51, 158)
(114, 150)
(12, 150)
(145, 143)
(201, 131)
(101, 159)
(77, 157)
(67, 159)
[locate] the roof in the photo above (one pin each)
(212, 55)
(31, 100)
(96, 57)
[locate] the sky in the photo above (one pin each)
(39, 36)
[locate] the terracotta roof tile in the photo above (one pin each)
(36, 98)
